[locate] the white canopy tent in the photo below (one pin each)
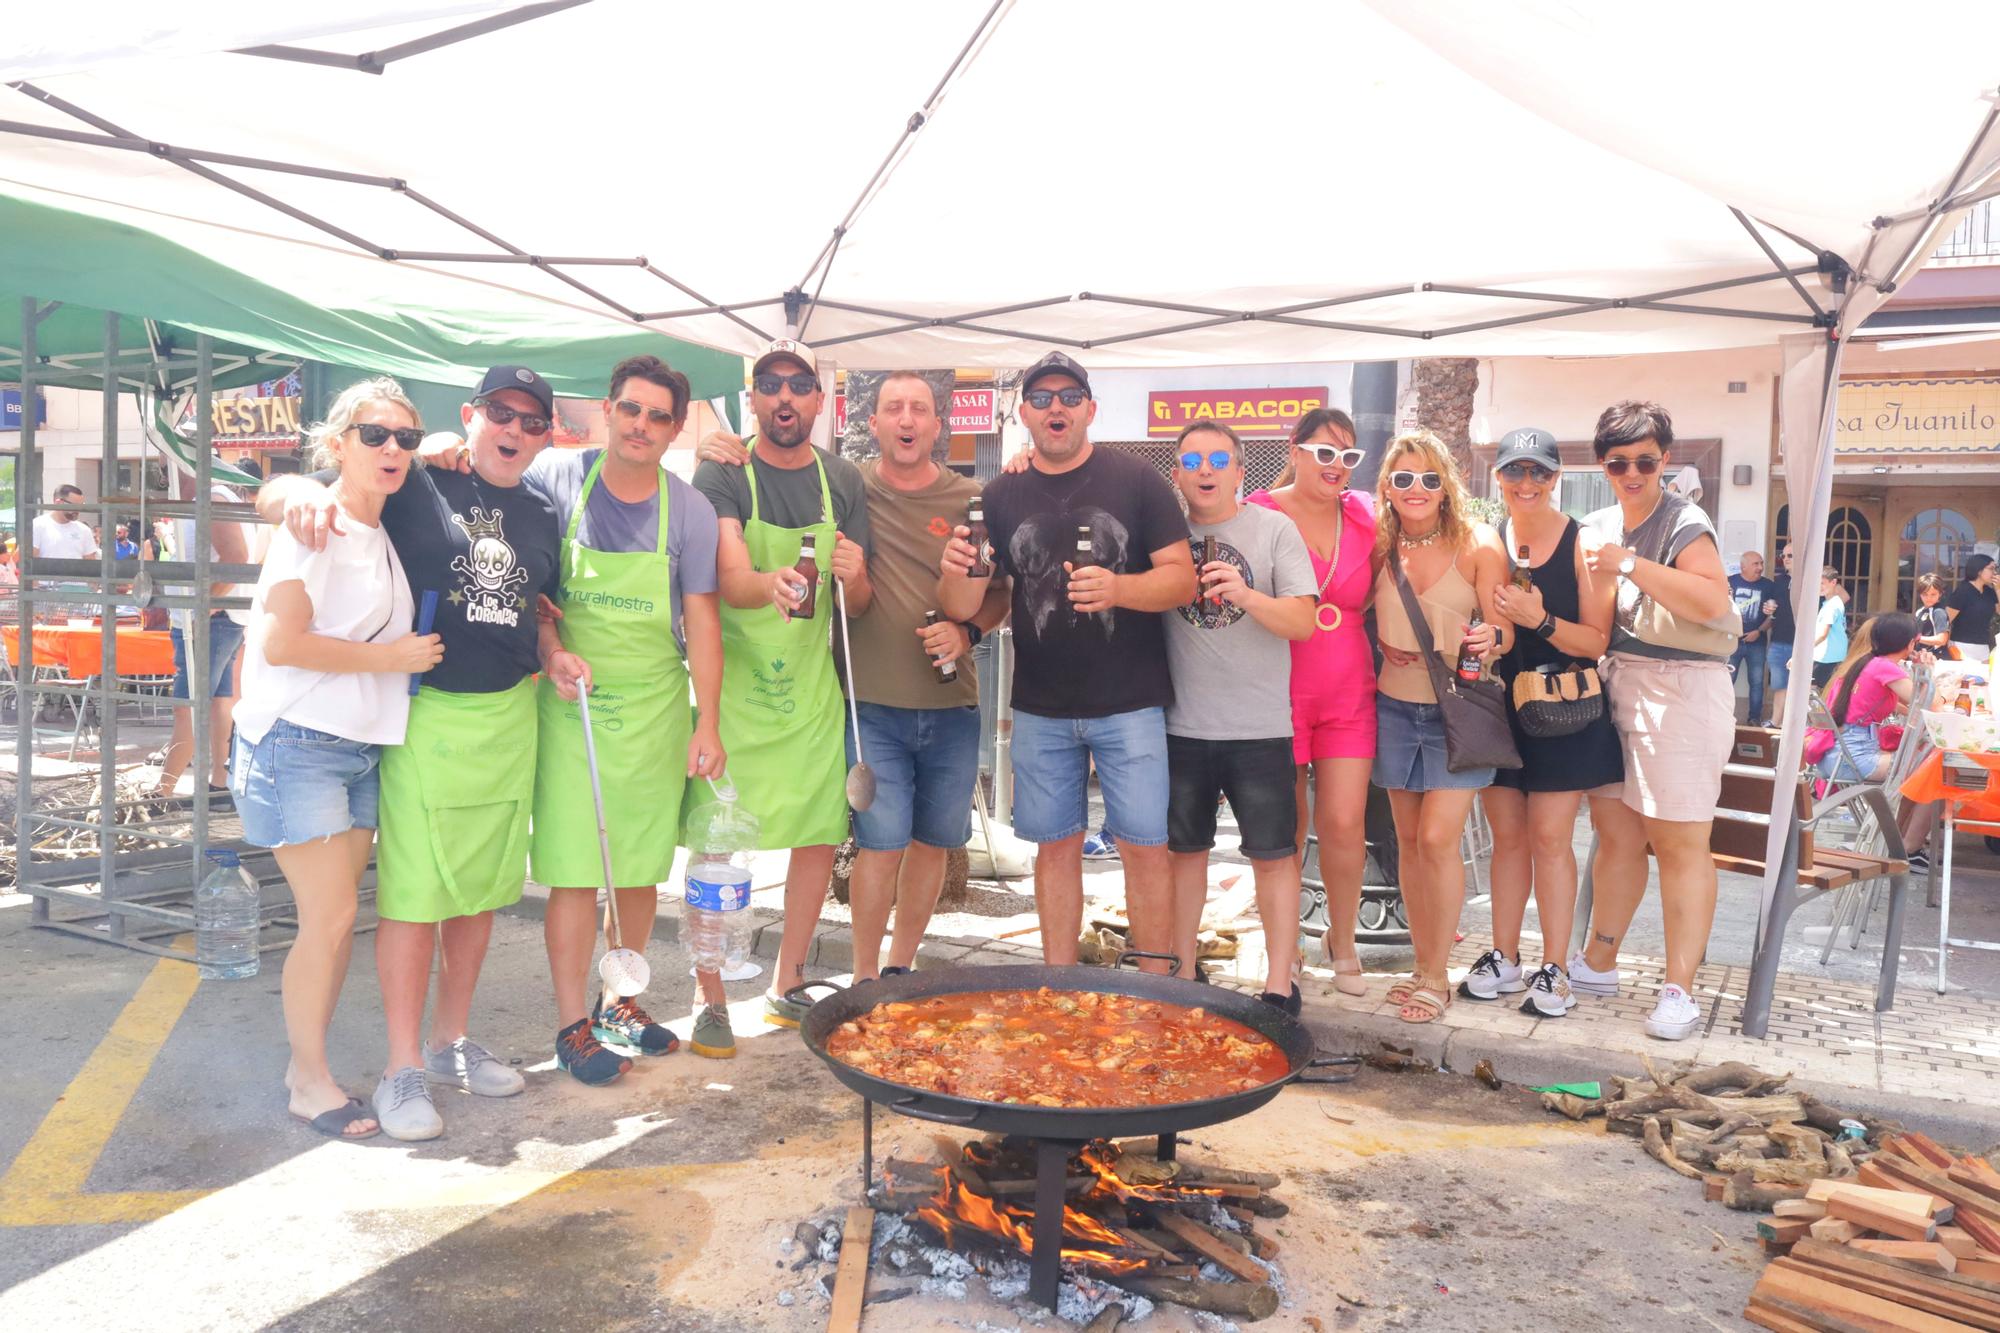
(1148, 182)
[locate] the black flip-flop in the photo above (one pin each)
(333, 1124)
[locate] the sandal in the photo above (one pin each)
(1400, 988)
(1347, 974)
(333, 1124)
(1426, 1003)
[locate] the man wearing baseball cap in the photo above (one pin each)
(456, 795)
(783, 718)
(1093, 547)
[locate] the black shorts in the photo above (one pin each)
(1822, 673)
(1258, 777)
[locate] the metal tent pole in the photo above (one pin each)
(107, 640)
(198, 645)
(27, 484)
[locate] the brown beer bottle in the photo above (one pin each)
(947, 669)
(1208, 557)
(1078, 561)
(809, 567)
(1469, 665)
(1524, 576)
(982, 544)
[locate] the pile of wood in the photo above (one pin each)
(1910, 1241)
(1145, 1225)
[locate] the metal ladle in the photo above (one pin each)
(860, 778)
(623, 971)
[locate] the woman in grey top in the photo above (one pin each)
(1671, 696)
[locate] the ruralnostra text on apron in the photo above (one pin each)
(618, 617)
(455, 799)
(782, 714)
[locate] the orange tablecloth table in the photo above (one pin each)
(1942, 776)
(140, 652)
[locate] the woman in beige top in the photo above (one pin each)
(1454, 565)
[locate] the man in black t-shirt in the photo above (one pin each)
(1093, 546)
(1780, 630)
(1756, 598)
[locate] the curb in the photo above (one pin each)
(1517, 1060)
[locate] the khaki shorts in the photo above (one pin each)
(1677, 723)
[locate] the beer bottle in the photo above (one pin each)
(1524, 576)
(982, 544)
(1208, 557)
(808, 566)
(1078, 561)
(946, 667)
(1469, 666)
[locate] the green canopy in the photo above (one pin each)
(168, 293)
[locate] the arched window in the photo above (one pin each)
(1850, 548)
(1935, 541)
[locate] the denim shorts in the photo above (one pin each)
(1780, 664)
(1409, 750)
(1052, 759)
(925, 761)
(1259, 779)
(225, 636)
(299, 785)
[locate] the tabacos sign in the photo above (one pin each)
(1246, 411)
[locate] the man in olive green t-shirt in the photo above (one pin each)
(920, 734)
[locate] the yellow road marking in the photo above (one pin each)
(46, 1182)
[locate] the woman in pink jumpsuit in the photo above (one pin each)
(1333, 672)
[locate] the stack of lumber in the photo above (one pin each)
(1910, 1241)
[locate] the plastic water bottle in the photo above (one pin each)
(225, 919)
(715, 909)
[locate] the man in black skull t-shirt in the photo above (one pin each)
(1090, 678)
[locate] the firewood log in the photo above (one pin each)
(1240, 1300)
(1656, 1146)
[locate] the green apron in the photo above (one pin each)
(618, 617)
(782, 711)
(454, 805)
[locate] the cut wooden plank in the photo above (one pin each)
(1834, 1230)
(1782, 1317)
(1981, 1230)
(1941, 1186)
(1973, 1178)
(1935, 1155)
(1917, 1252)
(1893, 1173)
(1896, 1225)
(1974, 1291)
(850, 1282)
(1915, 1206)
(1199, 1239)
(1908, 1288)
(1810, 1209)
(1784, 1230)
(1986, 1269)
(1960, 1242)
(1712, 1186)
(1788, 1279)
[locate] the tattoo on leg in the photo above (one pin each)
(1603, 938)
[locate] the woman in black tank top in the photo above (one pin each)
(1563, 618)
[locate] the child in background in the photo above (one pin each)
(1830, 645)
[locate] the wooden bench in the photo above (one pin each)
(1738, 842)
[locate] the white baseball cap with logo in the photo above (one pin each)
(787, 349)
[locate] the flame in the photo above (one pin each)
(955, 1208)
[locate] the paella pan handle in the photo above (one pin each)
(914, 1108)
(1173, 958)
(800, 994)
(1349, 1065)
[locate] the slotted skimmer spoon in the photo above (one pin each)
(623, 971)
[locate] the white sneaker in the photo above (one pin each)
(1492, 976)
(468, 1065)
(403, 1106)
(1548, 993)
(1588, 980)
(1675, 1017)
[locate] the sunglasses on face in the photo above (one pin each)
(1326, 455)
(800, 384)
(500, 415)
(655, 416)
(1647, 464)
(1039, 399)
(1404, 480)
(1191, 462)
(1525, 472)
(407, 439)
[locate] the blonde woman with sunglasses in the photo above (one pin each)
(1454, 567)
(1333, 669)
(1674, 703)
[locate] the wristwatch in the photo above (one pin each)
(1627, 565)
(1547, 629)
(973, 634)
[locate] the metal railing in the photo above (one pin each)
(1976, 238)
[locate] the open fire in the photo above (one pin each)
(1167, 1230)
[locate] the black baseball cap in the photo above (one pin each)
(1529, 444)
(1055, 363)
(523, 379)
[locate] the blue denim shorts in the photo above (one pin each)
(1052, 759)
(225, 636)
(299, 785)
(1780, 664)
(925, 761)
(1409, 750)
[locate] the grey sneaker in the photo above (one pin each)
(712, 1035)
(403, 1106)
(468, 1065)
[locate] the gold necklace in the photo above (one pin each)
(1409, 543)
(1323, 606)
